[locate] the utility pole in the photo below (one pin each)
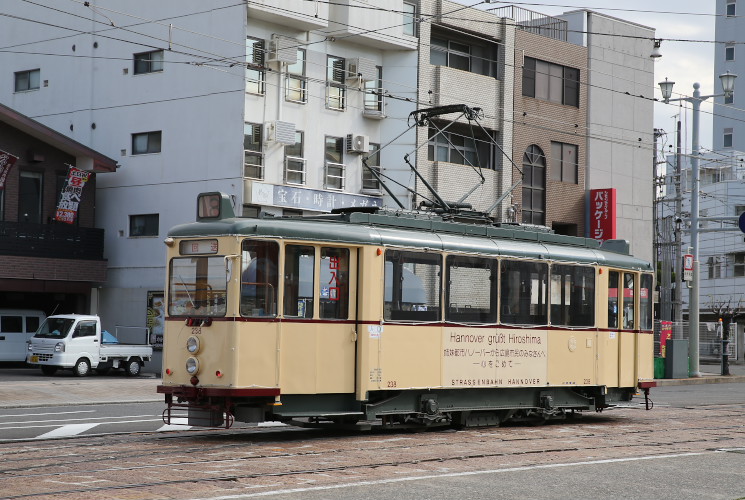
(678, 315)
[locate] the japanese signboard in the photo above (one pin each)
(72, 192)
(156, 318)
(602, 208)
(688, 267)
(506, 358)
(308, 199)
(7, 161)
(666, 333)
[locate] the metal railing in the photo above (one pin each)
(709, 339)
(534, 22)
(295, 170)
(57, 240)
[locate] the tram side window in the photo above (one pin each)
(299, 269)
(259, 263)
(334, 283)
(628, 301)
(645, 302)
(197, 286)
(524, 292)
(412, 286)
(572, 295)
(613, 277)
(471, 289)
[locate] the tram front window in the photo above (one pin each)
(259, 263)
(197, 286)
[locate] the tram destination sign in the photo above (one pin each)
(308, 199)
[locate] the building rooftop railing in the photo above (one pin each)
(535, 22)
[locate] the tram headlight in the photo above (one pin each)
(192, 366)
(193, 345)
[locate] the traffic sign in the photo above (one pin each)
(741, 222)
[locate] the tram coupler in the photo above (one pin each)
(645, 386)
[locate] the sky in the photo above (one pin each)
(682, 62)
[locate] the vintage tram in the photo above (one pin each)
(405, 318)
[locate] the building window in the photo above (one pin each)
(27, 80)
(336, 91)
(463, 53)
(255, 73)
(729, 53)
(253, 157)
(30, 191)
(294, 161)
(739, 264)
(551, 82)
(374, 92)
(534, 186)
(143, 225)
(409, 16)
(715, 267)
(564, 166)
(148, 62)
(731, 9)
(296, 88)
(727, 138)
(251, 211)
(457, 147)
(369, 181)
(334, 167)
(146, 143)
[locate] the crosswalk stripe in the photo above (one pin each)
(67, 430)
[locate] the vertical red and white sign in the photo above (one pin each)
(67, 209)
(603, 214)
(7, 161)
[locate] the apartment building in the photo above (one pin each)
(276, 106)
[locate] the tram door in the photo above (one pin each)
(317, 347)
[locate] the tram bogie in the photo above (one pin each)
(401, 319)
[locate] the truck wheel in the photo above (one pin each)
(133, 368)
(82, 368)
(49, 370)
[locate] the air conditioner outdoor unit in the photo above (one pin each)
(362, 69)
(280, 132)
(282, 49)
(357, 143)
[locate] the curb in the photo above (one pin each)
(706, 379)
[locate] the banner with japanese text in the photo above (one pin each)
(72, 193)
(602, 208)
(7, 161)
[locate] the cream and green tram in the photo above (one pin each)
(397, 317)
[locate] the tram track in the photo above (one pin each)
(364, 453)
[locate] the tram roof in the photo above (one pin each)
(417, 230)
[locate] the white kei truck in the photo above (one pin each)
(77, 342)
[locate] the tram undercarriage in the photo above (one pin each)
(394, 409)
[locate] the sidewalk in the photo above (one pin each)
(710, 374)
(65, 391)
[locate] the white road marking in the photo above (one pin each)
(51, 423)
(177, 424)
(67, 430)
(49, 413)
(453, 474)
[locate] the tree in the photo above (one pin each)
(727, 313)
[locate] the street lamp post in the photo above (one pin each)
(728, 86)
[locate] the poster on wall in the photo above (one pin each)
(7, 161)
(156, 318)
(72, 192)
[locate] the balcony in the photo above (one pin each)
(54, 241)
(299, 15)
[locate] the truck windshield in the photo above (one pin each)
(54, 328)
(197, 286)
